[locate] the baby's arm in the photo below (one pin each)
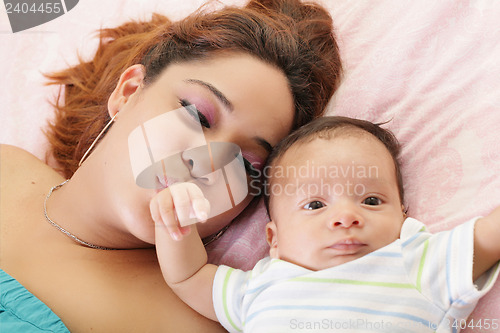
(184, 261)
(486, 243)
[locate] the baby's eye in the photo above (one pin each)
(314, 205)
(372, 201)
(193, 111)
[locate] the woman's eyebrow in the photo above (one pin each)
(220, 96)
(223, 99)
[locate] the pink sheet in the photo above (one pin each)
(431, 67)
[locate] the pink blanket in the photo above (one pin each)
(430, 67)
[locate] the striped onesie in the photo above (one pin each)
(422, 282)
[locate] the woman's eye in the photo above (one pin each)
(250, 169)
(372, 201)
(314, 205)
(193, 111)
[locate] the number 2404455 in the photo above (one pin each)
(26, 8)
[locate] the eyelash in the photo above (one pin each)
(308, 208)
(379, 201)
(195, 113)
(250, 169)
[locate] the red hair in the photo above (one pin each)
(295, 37)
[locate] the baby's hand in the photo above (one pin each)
(178, 206)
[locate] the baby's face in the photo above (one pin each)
(334, 201)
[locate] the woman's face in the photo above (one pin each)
(239, 99)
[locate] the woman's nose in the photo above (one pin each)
(197, 161)
(205, 160)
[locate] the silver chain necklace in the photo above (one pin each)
(206, 241)
(64, 231)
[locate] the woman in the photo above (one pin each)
(254, 74)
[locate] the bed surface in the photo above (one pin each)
(430, 68)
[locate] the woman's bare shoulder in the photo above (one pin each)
(17, 163)
(15, 156)
(22, 172)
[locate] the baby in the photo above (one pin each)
(343, 254)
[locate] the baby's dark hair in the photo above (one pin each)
(326, 128)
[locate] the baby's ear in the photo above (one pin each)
(272, 239)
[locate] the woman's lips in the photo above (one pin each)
(164, 182)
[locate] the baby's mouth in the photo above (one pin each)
(348, 245)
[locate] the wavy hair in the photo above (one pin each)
(294, 36)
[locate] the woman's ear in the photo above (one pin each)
(272, 239)
(130, 80)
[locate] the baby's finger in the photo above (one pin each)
(201, 206)
(154, 208)
(182, 202)
(163, 211)
(169, 221)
